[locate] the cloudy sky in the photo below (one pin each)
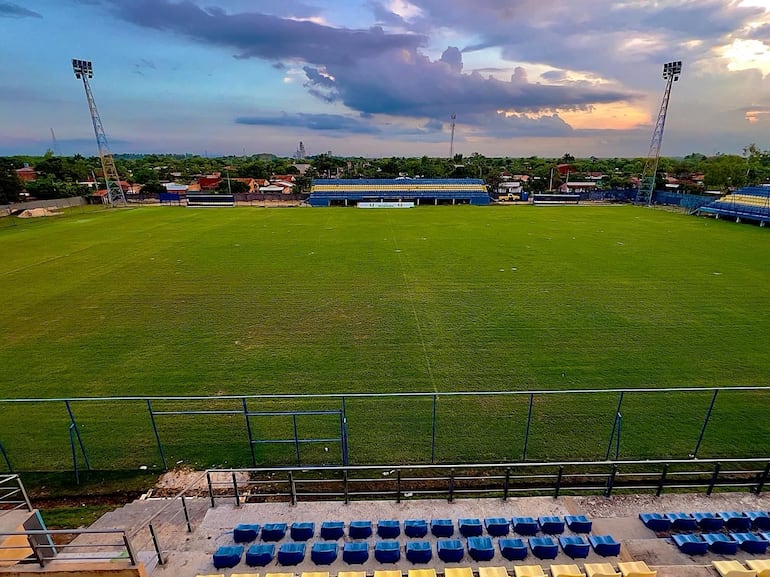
(383, 77)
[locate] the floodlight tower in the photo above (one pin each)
(452, 138)
(84, 70)
(671, 72)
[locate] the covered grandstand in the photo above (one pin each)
(751, 203)
(349, 192)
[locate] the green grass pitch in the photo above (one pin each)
(171, 301)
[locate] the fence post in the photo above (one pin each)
(345, 459)
(129, 549)
(5, 457)
(77, 433)
(74, 455)
(558, 482)
(451, 484)
(662, 480)
(506, 483)
(156, 544)
(713, 479)
(248, 432)
(611, 481)
(705, 422)
(526, 431)
(433, 432)
(186, 514)
(398, 486)
(614, 427)
(235, 489)
(345, 484)
(296, 439)
(211, 488)
(763, 479)
(292, 489)
(157, 437)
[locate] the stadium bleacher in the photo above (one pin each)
(749, 203)
(349, 192)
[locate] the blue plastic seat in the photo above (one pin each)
(551, 525)
(260, 554)
(708, 522)
(419, 551)
(544, 547)
(720, 543)
(655, 522)
(227, 556)
(355, 553)
(578, 523)
(524, 525)
(442, 527)
(415, 528)
(302, 531)
(470, 527)
(245, 532)
(332, 530)
(480, 548)
(497, 526)
(759, 519)
(291, 553)
(735, 521)
(691, 544)
(273, 531)
(360, 529)
(450, 550)
(575, 547)
(604, 545)
(751, 543)
(323, 553)
(388, 529)
(681, 521)
(512, 549)
(387, 551)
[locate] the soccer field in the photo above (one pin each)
(168, 301)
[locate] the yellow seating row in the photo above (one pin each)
(631, 569)
(757, 568)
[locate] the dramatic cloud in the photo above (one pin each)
(257, 35)
(330, 122)
(10, 10)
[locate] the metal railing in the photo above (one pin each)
(499, 480)
(41, 545)
(13, 496)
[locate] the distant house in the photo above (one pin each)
(286, 187)
(176, 188)
(291, 178)
(26, 174)
(210, 181)
(250, 182)
(584, 186)
(564, 169)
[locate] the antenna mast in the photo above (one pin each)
(54, 143)
(84, 70)
(671, 72)
(452, 139)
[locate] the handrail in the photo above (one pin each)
(47, 551)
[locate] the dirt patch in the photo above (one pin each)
(38, 212)
(195, 483)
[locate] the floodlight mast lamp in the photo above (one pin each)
(671, 72)
(84, 70)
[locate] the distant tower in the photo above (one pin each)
(84, 69)
(452, 138)
(300, 154)
(671, 72)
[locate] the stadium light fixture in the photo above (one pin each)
(672, 70)
(82, 68)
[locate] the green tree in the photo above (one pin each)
(152, 188)
(234, 187)
(11, 186)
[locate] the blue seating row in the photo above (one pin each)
(721, 543)
(389, 551)
(740, 521)
(415, 528)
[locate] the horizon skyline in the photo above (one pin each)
(382, 78)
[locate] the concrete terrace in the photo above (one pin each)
(189, 554)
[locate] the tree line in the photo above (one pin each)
(59, 176)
